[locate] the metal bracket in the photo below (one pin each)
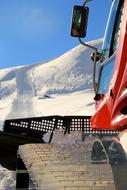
(86, 1)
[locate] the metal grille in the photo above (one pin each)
(37, 126)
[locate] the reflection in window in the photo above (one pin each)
(112, 30)
(106, 74)
(116, 31)
(110, 46)
(109, 30)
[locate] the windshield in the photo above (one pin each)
(109, 30)
(110, 45)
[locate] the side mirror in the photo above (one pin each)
(79, 21)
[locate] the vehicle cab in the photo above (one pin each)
(110, 85)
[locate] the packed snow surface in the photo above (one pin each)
(62, 86)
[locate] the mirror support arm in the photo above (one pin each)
(87, 45)
(95, 85)
(86, 1)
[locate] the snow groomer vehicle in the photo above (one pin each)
(98, 159)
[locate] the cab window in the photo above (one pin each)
(110, 46)
(116, 31)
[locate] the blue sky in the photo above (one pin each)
(36, 30)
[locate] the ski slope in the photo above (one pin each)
(40, 89)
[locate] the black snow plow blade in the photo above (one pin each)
(32, 130)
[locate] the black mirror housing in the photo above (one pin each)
(79, 21)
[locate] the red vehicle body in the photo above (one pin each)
(111, 108)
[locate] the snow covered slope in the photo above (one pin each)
(43, 88)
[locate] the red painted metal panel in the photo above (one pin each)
(108, 111)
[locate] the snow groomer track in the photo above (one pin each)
(65, 167)
(73, 165)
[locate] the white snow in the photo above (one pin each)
(62, 86)
(7, 179)
(43, 89)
